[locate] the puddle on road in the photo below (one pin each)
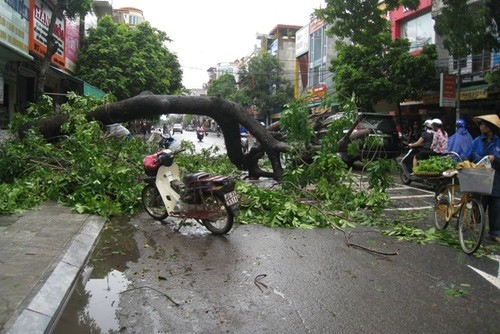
(91, 308)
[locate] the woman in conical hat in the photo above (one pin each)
(488, 144)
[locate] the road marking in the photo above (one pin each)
(409, 209)
(490, 278)
(411, 196)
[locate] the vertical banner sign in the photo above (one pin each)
(39, 26)
(448, 90)
(72, 41)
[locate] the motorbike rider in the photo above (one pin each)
(461, 141)
(423, 143)
(440, 139)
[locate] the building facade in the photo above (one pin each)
(23, 35)
(474, 97)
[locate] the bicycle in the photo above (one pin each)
(468, 210)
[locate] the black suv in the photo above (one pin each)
(376, 126)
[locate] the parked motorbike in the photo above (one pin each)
(210, 200)
(200, 134)
(244, 142)
(406, 167)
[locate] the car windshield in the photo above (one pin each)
(382, 124)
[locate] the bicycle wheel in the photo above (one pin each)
(443, 207)
(471, 223)
(220, 218)
(152, 202)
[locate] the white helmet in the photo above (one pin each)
(437, 121)
(428, 123)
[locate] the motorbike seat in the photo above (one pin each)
(193, 177)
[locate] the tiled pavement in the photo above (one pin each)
(42, 252)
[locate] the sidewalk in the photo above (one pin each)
(42, 252)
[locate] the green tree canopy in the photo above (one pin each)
(466, 29)
(369, 64)
(262, 84)
(359, 21)
(125, 62)
(224, 86)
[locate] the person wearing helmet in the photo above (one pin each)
(488, 144)
(423, 143)
(440, 140)
(461, 141)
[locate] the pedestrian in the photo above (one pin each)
(488, 144)
(144, 129)
(461, 141)
(423, 143)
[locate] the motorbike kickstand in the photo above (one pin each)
(182, 223)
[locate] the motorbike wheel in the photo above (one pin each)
(222, 218)
(152, 202)
(405, 177)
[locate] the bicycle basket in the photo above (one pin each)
(476, 180)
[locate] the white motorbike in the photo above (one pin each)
(210, 200)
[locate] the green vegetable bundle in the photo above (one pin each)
(435, 165)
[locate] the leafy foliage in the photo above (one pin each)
(321, 192)
(82, 171)
(126, 62)
(224, 86)
(359, 21)
(262, 83)
(380, 71)
(465, 29)
(369, 64)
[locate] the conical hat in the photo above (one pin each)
(492, 118)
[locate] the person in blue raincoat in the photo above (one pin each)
(488, 144)
(461, 141)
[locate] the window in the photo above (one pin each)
(419, 31)
(481, 62)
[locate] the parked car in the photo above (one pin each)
(177, 128)
(378, 127)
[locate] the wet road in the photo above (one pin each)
(262, 280)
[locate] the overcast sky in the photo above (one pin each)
(205, 32)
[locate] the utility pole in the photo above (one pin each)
(459, 81)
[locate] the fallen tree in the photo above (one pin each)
(228, 115)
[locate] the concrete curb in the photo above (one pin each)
(49, 297)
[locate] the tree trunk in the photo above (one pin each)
(227, 114)
(44, 63)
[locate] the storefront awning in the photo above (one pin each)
(65, 75)
(89, 90)
(10, 53)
